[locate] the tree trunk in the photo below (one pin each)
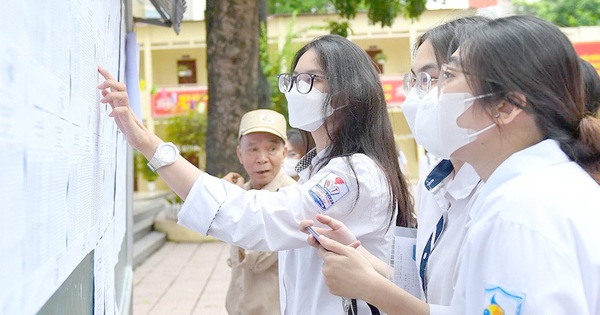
(264, 90)
(232, 30)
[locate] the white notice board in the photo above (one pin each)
(62, 161)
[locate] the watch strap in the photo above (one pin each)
(155, 162)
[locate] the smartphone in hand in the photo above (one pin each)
(311, 231)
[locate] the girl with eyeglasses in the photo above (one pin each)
(443, 196)
(532, 242)
(511, 104)
(352, 174)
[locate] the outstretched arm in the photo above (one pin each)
(181, 175)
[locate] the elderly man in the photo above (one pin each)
(254, 287)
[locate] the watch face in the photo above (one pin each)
(168, 153)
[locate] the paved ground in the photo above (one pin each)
(183, 278)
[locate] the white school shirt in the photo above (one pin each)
(533, 240)
(269, 221)
(443, 194)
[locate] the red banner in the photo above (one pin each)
(169, 102)
(589, 52)
(393, 90)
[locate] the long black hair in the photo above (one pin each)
(363, 124)
(445, 39)
(529, 56)
(591, 82)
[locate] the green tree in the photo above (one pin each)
(276, 62)
(141, 167)
(380, 11)
(563, 13)
(300, 6)
(233, 31)
(188, 132)
(264, 88)
(314, 6)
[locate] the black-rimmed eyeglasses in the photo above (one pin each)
(303, 81)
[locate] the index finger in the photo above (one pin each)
(333, 246)
(329, 221)
(105, 73)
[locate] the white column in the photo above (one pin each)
(146, 106)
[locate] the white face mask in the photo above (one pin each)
(289, 166)
(437, 127)
(411, 105)
(306, 110)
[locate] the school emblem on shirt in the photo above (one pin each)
(500, 302)
(329, 190)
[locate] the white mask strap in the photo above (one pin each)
(475, 134)
(478, 97)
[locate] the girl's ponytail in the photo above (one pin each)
(585, 150)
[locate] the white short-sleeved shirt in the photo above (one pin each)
(533, 240)
(269, 221)
(442, 193)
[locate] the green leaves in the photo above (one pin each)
(187, 130)
(276, 62)
(340, 28)
(347, 8)
(379, 11)
(141, 167)
(412, 9)
(300, 6)
(384, 12)
(564, 13)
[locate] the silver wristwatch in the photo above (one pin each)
(166, 154)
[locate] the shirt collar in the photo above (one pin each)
(273, 185)
(438, 174)
(465, 180)
(306, 160)
(544, 153)
(446, 188)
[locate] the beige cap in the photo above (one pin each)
(263, 120)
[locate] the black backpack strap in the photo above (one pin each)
(374, 310)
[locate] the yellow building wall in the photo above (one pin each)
(166, 48)
(394, 41)
(405, 142)
(164, 65)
